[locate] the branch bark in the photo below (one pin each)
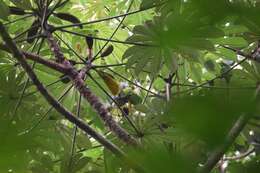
(53, 65)
(68, 115)
(241, 156)
(216, 155)
(93, 100)
(36, 58)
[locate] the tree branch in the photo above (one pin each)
(68, 115)
(216, 155)
(118, 106)
(93, 100)
(36, 58)
(239, 52)
(241, 156)
(59, 67)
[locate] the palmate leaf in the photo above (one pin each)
(22, 147)
(166, 36)
(149, 57)
(144, 58)
(183, 34)
(10, 89)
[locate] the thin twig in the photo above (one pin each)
(18, 19)
(43, 16)
(46, 113)
(27, 81)
(47, 86)
(215, 87)
(108, 65)
(105, 19)
(217, 77)
(149, 88)
(74, 136)
(240, 156)
(114, 33)
(59, 4)
(125, 26)
(28, 38)
(70, 48)
(110, 40)
(24, 32)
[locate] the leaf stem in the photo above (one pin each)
(105, 19)
(110, 40)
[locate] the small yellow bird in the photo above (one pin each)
(110, 81)
(78, 47)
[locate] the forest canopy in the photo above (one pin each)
(129, 86)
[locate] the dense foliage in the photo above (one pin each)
(180, 76)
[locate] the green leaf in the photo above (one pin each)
(83, 141)
(226, 53)
(195, 114)
(235, 29)
(134, 99)
(24, 4)
(148, 3)
(237, 42)
(141, 108)
(16, 11)
(4, 10)
(69, 17)
(80, 164)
